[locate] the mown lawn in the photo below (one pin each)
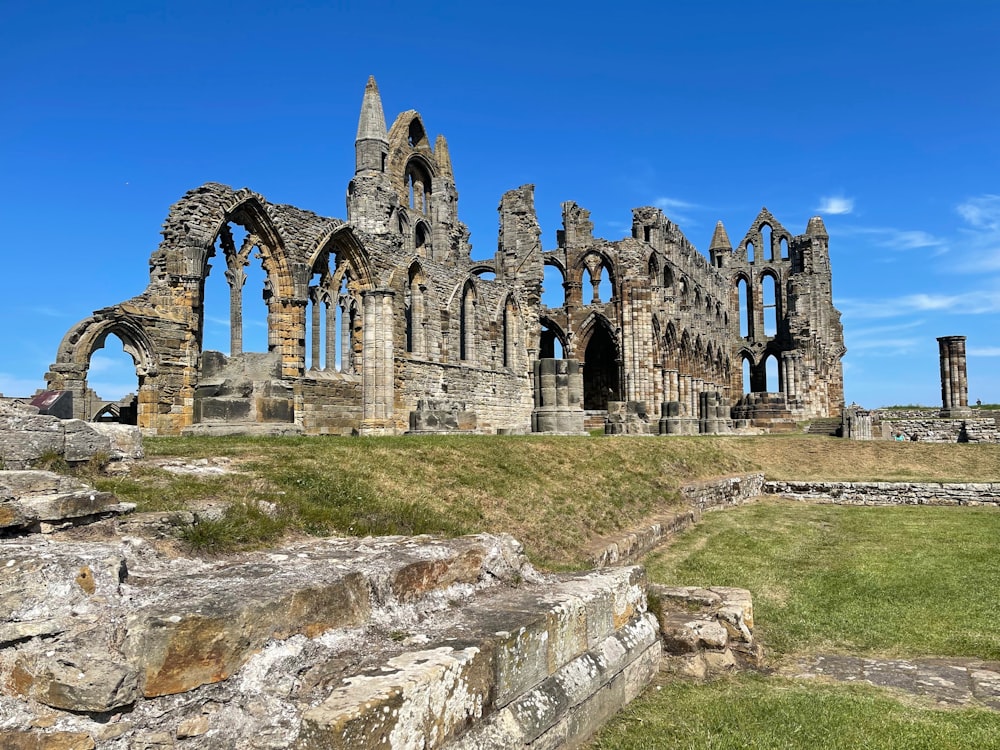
(559, 495)
(898, 582)
(752, 712)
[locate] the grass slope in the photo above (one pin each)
(558, 495)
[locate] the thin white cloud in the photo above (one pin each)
(982, 212)
(981, 238)
(835, 205)
(977, 302)
(678, 211)
(897, 239)
(984, 351)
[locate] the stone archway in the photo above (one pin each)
(601, 381)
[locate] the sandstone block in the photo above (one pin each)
(79, 676)
(420, 699)
(17, 739)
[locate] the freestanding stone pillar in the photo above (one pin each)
(954, 380)
(558, 397)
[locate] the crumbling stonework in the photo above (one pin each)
(371, 317)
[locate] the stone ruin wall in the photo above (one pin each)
(425, 325)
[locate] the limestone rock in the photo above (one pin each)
(125, 441)
(27, 497)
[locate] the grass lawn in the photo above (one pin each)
(558, 495)
(904, 581)
(908, 582)
(763, 713)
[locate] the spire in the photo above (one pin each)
(371, 124)
(371, 147)
(720, 240)
(817, 228)
(443, 157)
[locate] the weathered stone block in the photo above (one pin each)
(83, 441)
(212, 629)
(419, 699)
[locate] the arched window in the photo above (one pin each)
(421, 239)
(467, 327)
(747, 386)
(510, 333)
(769, 296)
(550, 345)
(745, 308)
(231, 325)
(415, 305)
(750, 252)
(772, 382)
(784, 249)
(765, 240)
(553, 289)
(418, 185)
(600, 282)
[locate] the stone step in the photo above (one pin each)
(523, 664)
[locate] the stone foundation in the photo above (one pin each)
(889, 493)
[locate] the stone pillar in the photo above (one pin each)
(954, 379)
(558, 397)
(377, 363)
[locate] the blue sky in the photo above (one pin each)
(883, 117)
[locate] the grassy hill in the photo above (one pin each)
(558, 495)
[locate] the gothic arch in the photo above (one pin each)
(601, 352)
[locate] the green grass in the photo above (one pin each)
(561, 496)
(904, 581)
(557, 495)
(758, 713)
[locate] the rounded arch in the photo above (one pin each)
(73, 358)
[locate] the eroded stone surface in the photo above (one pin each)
(965, 682)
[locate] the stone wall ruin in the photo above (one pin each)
(371, 316)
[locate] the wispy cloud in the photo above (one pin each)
(677, 210)
(886, 339)
(982, 212)
(975, 302)
(984, 351)
(982, 235)
(898, 239)
(835, 205)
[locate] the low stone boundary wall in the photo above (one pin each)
(724, 492)
(981, 430)
(889, 493)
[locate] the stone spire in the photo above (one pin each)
(371, 146)
(817, 228)
(720, 240)
(443, 157)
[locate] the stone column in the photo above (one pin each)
(954, 378)
(377, 367)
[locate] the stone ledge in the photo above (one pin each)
(889, 493)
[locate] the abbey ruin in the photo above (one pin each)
(382, 323)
